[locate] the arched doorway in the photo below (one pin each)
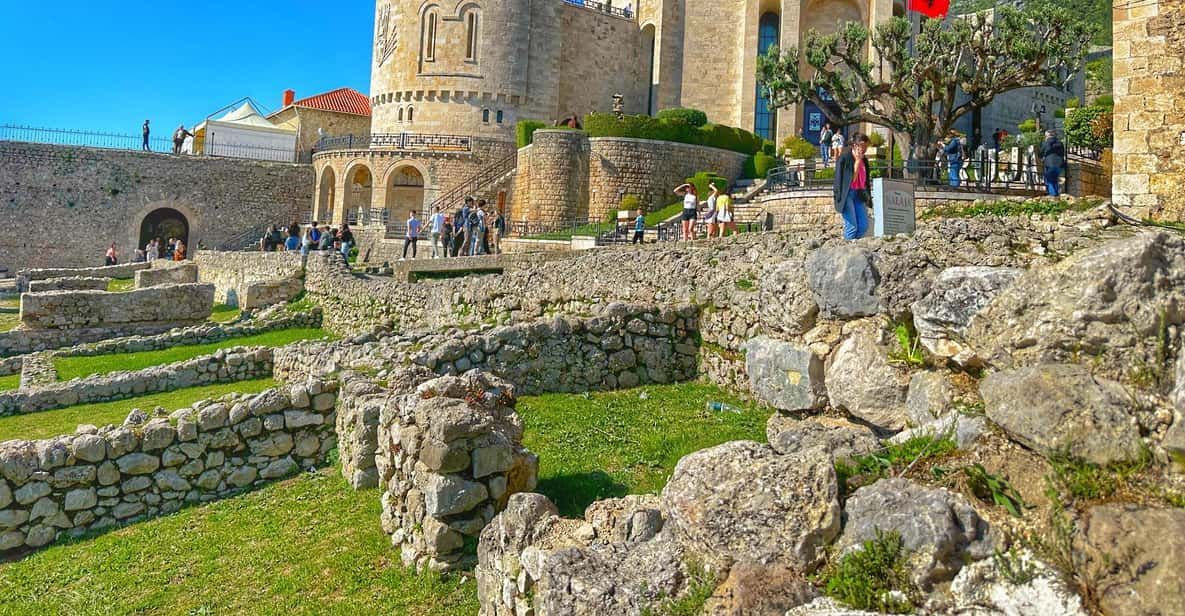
(405, 192)
(359, 183)
(326, 195)
(162, 224)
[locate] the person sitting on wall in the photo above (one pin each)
(179, 251)
(347, 238)
(293, 241)
(112, 257)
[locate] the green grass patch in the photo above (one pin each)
(604, 445)
(10, 382)
(744, 284)
(310, 545)
(72, 367)
(666, 213)
(865, 578)
(909, 347)
(47, 424)
(867, 469)
(1009, 208)
(300, 303)
(1083, 480)
(10, 314)
(224, 314)
(120, 285)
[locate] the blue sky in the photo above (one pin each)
(107, 66)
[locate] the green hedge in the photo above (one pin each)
(759, 164)
(694, 117)
(702, 180)
(525, 131)
(1089, 127)
(676, 130)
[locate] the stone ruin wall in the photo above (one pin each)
(1149, 172)
(126, 270)
(255, 276)
(110, 192)
(155, 464)
(73, 283)
(167, 272)
(175, 304)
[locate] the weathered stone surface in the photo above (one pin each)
(930, 397)
(1141, 556)
(90, 448)
(826, 606)
(964, 430)
(743, 501)
(1108, 303)
(76, 500)
(138, 464)
(5, 494)
(842, 439)
(449, 494)
(940, 529)
(862, 382)
(785, 301)
(980, 588)
(844, 281)
(785, 375)
(759, 590)
(1061, 407)
(629, 519)
(157, 434)
(957, 295)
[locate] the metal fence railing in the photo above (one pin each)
(604, 7)
(117, 141)
(977, 175)
(409, 142)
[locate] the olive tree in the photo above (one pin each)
(954, 67)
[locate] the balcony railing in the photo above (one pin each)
(408, 142)
(116, 141)
(604, 7)
(975, 176)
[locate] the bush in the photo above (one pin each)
(870, 578)
(1105, 100)
(525, 131)
(876, 140)
(1059, 113)
(693, 117)
(674, 129)
(632, 203)
(1028, 126)
(759, 164)
(703, 179)
(798, 148)
(1089, 127)
(1073, 103)
(769, 147)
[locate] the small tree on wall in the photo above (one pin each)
(956, 67)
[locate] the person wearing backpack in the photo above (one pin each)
(476, 228)
(463, 226)
(825, 143)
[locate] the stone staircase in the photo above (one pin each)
(479, 185)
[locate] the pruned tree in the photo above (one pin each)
(956, 67)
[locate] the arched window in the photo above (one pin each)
(767, 36)
(430, 36)
(401, 114)
(499, 116)
(485, 116)
(471, 24)
(411, 114)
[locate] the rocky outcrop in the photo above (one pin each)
(982, 588)
(844, 281)
(842, 439)
(957, 294)
(785, 375)
(1140, 556)
(742, 501)
(863, 383)
(930, 396)
(449, 457)
(1063, 408)
(939, 530)
(759, 590)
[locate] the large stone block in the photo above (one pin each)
(785, 375)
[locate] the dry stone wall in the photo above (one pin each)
(223, 366)
(74, 283)
(21, 341)
(156, 463)
(111, 193)
(175, 304)
(167, 272)
(126, 270)
(233, 274)
(449, 457)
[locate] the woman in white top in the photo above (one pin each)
(710, 215)
(690, 209)
(837, 143)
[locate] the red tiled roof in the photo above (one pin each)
(341, 100)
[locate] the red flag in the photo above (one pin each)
(934, 9)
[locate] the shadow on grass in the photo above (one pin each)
(572, 494)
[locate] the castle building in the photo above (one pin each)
(451, 78)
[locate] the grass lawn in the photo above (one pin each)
(71, 367)
(611, 444)
(10, 314)
(310, 545)
(10, 382)
(48, 424)
(119, 285)
(224, 314)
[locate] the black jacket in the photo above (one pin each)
(1053, 153)
(845, 171)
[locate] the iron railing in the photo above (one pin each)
(978, 176)
(603, 7)
(1080, 152)
(117, 141)
(409, 142)
(455, 196)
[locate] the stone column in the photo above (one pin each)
(558, 189)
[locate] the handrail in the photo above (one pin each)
(471, 185)
(410, 142)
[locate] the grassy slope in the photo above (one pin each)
(120, 285)
(312, 546)
(64, 421)
(224, 314)
(10, 382)
(10, 314)
(612, 444)
(71, 367)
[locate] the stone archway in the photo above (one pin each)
(162, 224)
(359, 183)
(326, 194)
(405, 192)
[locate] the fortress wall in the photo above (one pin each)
(232, 273)
(69, 203)
(602, 56)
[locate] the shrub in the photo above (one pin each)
(1028, 126)
(1059, 113)
(1089, 127)
(1073, 103)
(674, 129)
(869, 578)
(759, 164)
(632, 203)
(693, 117)
(798, 148)
(876, 140)
(769, 147)
(1105, 100)
(525, 131)
(703, 179)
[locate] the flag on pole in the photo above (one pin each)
(934, 9)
